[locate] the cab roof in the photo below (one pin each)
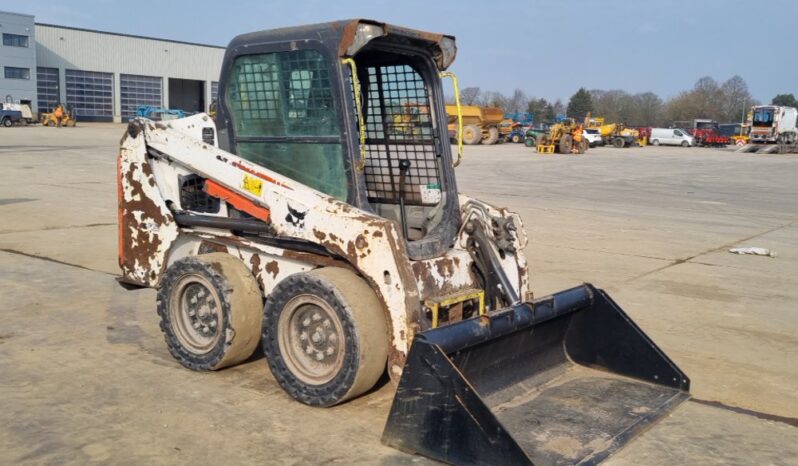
(342, 37)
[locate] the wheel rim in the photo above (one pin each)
(469, 134)
(311, 336)
(196, 314)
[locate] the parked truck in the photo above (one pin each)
(705, 132)
(9, 117)
(774, 124)
(480, 124)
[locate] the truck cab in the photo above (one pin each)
(771, 124)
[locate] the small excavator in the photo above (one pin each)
(305, 221)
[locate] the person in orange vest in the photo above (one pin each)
(58, 113)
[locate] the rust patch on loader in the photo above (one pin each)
(273, 268)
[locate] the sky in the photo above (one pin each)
(546, 48)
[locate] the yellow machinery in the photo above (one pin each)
(60, 116)
(480, 124)
(614, 133)
(564, 138)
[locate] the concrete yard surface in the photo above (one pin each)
(85, 376)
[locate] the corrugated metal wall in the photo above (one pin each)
(74, 49)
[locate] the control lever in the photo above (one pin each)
(404, 167)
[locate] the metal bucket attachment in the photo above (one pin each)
(567, 379)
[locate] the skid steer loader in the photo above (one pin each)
(304, 220)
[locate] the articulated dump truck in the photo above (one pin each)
(304, 220)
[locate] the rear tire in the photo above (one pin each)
(618, 143)
(472, 134)
(566, 144)
(211, 311)
(7, 122)
(493, 136)
(325, 336)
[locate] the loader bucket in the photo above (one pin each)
(566, 379)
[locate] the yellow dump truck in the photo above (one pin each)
(480, 124)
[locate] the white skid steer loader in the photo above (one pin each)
(319, 215)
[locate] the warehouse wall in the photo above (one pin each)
(18, 57)
(76, 49)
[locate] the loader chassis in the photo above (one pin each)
(167, 172)
(319, 215)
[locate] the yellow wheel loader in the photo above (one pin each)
(60, 116)
(315, 219)
(564, 138)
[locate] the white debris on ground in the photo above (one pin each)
(753, 251)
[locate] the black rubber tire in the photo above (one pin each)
(7, 122)
(655, 142)
(618, 143)
(516, 138)
(363, 322)
(566, 144)
(472, 134)
(493, 136)
(530, 141)
(241, 305)
(685, 144)
(583, 145)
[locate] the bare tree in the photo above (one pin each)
(517, 102)
(558, 108)
(469, 95)
(736, 99)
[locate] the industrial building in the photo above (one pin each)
(102, 76)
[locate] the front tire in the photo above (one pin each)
(7, 122)
(325, 336)
(618, 143)
(685, 144)
(566, 144)
(655, 142)
(211, 311)
(516, 138)
(472, 134)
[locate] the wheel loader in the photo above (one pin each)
(564, 137)
(303, 221)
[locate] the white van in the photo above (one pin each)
(670, 137)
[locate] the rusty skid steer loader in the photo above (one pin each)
(305, 220)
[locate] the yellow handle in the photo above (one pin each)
(361, 124)
(449, 74)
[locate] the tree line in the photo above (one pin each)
(726, 102)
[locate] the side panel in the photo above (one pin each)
(372, 245)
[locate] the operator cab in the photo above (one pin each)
(287, 102)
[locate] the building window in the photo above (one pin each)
(16, 73)
(137, 91)
(47, 88)
(15, 40)
(214, 90)
(90, 95)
